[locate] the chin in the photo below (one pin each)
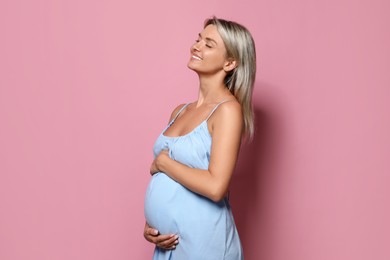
(192, 67)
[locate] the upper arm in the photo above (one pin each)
(226, 126)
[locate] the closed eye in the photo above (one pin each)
(208, 41)
(207, 44)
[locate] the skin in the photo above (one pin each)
(167, 242)
(209, 61)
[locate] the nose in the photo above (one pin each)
(196, 46)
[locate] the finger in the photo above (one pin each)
(157, 239)
(170, 242)
(164, 238)
(151, 238)
(169, 247)
(152, 168)
(152, 231)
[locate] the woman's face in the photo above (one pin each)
(208, 53)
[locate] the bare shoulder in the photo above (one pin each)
(230, 110)
(228, 115)
(175, 111)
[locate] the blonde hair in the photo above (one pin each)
(240, 46)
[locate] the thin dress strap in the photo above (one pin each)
(212, 111)
(178, 113)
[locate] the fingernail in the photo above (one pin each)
(155, 231)
(176, 236)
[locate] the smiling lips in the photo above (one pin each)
(196, 57)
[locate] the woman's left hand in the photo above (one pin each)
(155, 167)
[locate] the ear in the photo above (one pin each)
(229, 65)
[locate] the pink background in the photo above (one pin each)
(86, 87)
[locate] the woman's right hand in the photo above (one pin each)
(167, 242)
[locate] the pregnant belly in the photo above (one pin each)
(171, 208)
(162, 203)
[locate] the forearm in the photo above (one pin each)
(199, 181)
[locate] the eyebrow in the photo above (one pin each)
(208, 39)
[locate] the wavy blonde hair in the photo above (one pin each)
(240, 46)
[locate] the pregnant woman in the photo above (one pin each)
(187, 211)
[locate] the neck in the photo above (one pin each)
(211, 90)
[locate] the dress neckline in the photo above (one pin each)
(195, 128)
(204, 122)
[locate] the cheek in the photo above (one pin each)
(217, 58)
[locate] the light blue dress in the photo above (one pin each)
(205, 228)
